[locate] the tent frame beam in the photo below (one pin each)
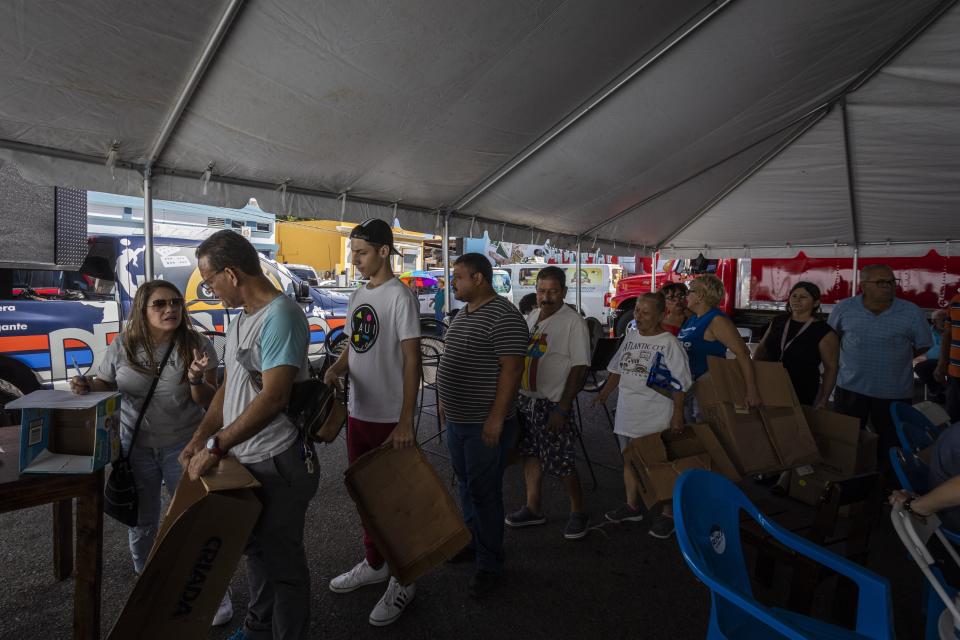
(592, 103)
(851, 191)
(667, 190)
(173, 118)
(888, 55)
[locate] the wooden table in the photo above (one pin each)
(20, 492)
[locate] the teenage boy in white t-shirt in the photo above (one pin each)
(642, 410)
(383, 360)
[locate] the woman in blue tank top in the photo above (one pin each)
(709, 332)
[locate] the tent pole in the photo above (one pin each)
(148, 224)
(653, 270)
(446, 264)
(578, 278)
(856, 271)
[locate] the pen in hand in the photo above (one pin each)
(81, 379)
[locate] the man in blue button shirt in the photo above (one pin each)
(880, 335)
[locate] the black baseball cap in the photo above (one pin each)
(375, 231)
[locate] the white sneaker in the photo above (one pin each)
(224, 611)
(391, 605)
(360, 576)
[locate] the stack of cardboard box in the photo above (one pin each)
(819, 446)
(772, 438)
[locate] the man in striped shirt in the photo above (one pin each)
(478, 378)
(948, 367)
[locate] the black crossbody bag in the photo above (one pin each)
(120, 500)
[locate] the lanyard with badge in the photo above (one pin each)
(784, 345)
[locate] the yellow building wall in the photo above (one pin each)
(315, 242)
(321, 243)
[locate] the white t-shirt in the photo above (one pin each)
(378, 320)
(172, 416)
(273, 336)
(557, 344)
(641, 410)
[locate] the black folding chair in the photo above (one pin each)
(431, 349)
(593, 382)
(219, 341)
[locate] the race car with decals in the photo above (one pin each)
(66, 322)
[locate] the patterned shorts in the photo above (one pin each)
(555, 449)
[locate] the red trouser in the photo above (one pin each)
(363, 436)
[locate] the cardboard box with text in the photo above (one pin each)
(197, 549)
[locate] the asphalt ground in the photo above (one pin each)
(617, 582)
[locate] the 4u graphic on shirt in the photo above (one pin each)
(365, 326)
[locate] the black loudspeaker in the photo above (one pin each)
(41, 227)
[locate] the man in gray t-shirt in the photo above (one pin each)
(266, 354)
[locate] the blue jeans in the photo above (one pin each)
(150, 467)
(479, 470)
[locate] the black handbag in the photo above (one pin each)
(120, 500)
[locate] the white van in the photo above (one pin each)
(304, 272)
(426, 295)
(597, 283)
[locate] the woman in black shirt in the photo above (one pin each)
(802, 343)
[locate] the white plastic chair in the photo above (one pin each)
(934, 412)
(915, 533)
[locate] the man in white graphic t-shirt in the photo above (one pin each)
(641, 409)
(557, 359)
(383, 360)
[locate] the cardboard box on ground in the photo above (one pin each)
(197, 549)
(659, 459)
(63, 433)
(407, 510)
(845, 451)
(773, 438)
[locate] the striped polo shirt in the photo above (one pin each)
(470, 366)
(953, 324)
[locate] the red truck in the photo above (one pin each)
(757, 288)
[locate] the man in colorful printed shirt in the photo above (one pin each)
(557, 359)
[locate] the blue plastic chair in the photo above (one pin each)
(707, 510)
(912, 473)
(914, 430)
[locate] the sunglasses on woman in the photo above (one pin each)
(160, 304)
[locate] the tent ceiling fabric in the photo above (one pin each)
(418, 103)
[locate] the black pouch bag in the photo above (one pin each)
(120, 492)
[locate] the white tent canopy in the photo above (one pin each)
(736, 127)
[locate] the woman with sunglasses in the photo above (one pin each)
(675, 294)
(158, 322)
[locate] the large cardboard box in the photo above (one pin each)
(659, 459)
(845, 448)
(406, 509)
(772, 438)
(197, 549)
(65, 433)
